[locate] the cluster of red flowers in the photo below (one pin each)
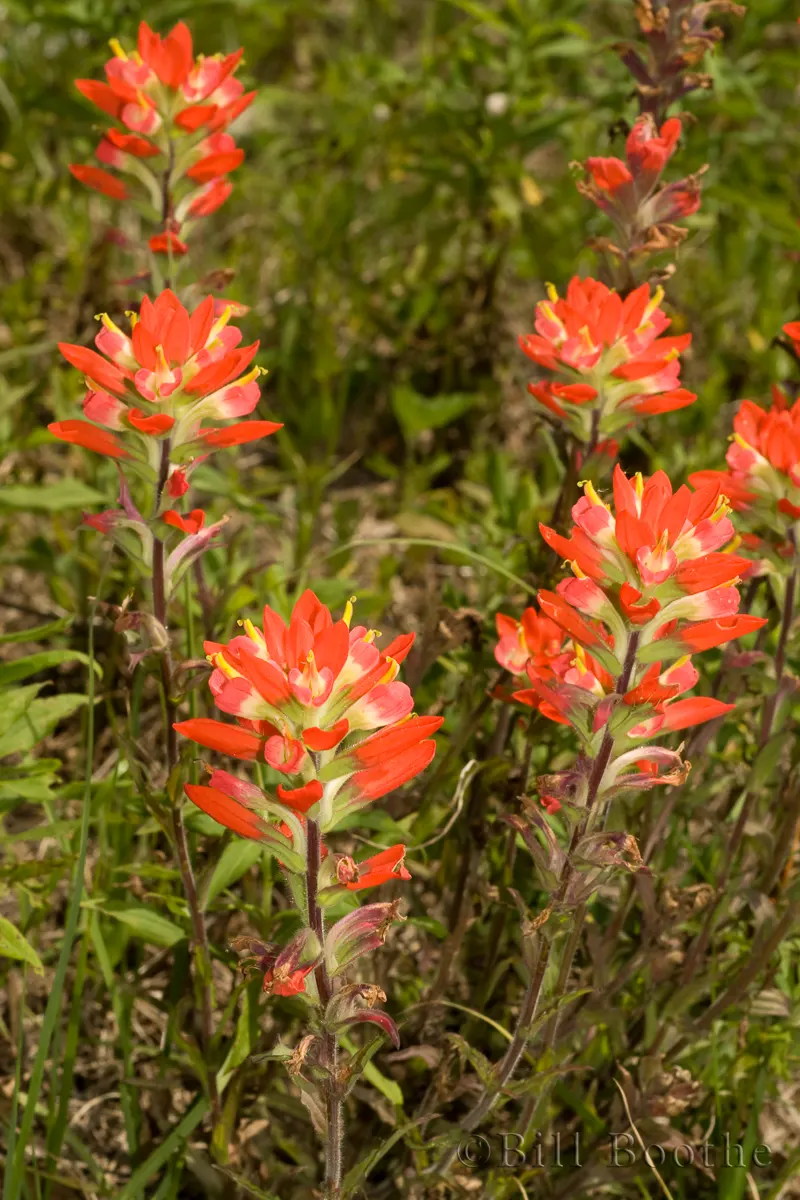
(318, 702)
(159, 385)
(763, 476)
(608, 356)
(654, 581)
(174, 109)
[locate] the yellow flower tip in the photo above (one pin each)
(577, 572)
(590, 492)
(221, 322)
(162, 358)
(117, 49)
(653, 303)
(740, 441)
(371, 634)
(734, 544)
(663, 543)
(671, 355)
(254, 634)
(638, 484)
(347, 615)
(222, 665)
(547, 309)
(579, 661)
(392, 672)
(132, 316)
(552, 292)
(587, 337)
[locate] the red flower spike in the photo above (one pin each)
(593, 340)
(300, 689)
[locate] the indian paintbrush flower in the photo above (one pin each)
(609, 363)
(174, 372)
(174, 109)
(654, 581)
(763, 477)
(320, 703)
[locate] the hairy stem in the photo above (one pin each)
(179, 835)
(330, 1049)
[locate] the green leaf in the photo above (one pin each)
(417, 413)
(147, 924)
(37, 721)
(37, 634)
(21, 668)
(67, 493)
(236, 859)
(14, 945)
(240, 1047)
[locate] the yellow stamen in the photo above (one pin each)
(220, 323)
(552, 292)
(162, 358)
(722, 509)
(393, 671)
(590, 492)
(579, 661)
(638, 484)
(732, 545)
(655, 300)
(249, 377)
(254, 634)
(579, 574)
(548, 312)
(347, 615)
(133, 317)
(587, 338)
(371, 634)
(662, 544)
(117, 49)
(671, 355)
(222, 665)
(109, 324)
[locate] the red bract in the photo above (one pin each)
(172, 105)
(173, 372)
(609, 361)
(763, 476)
(303, 695)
